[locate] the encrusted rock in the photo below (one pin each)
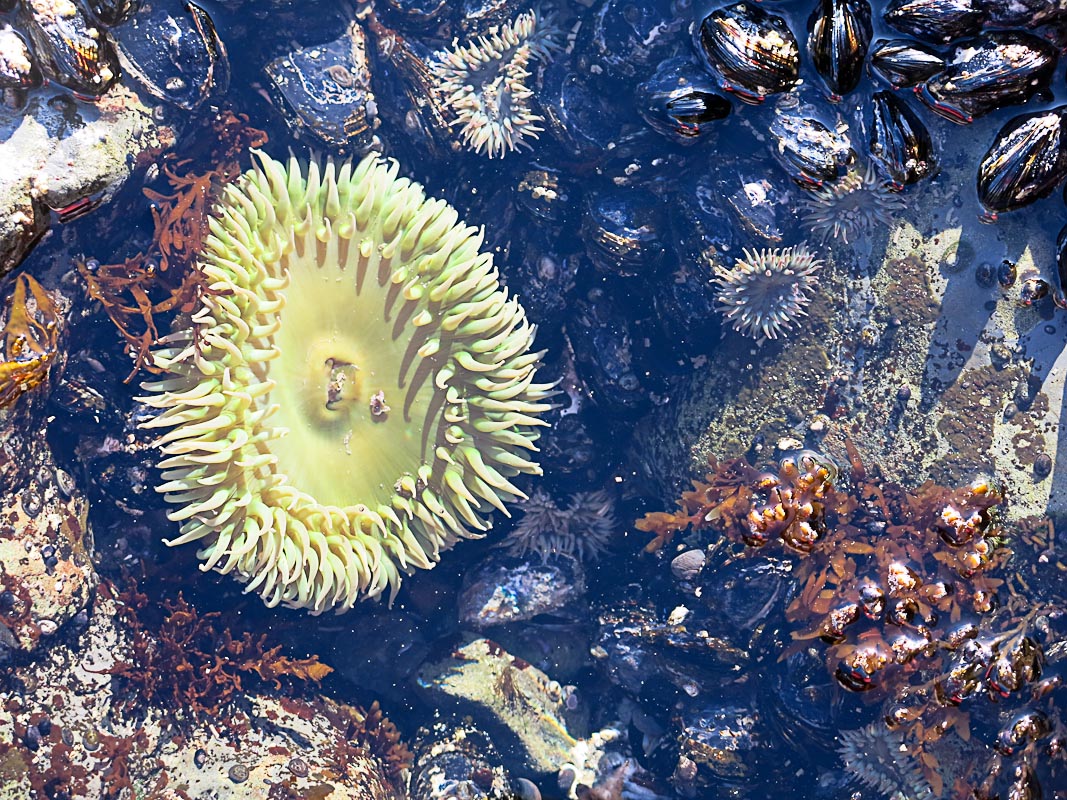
(60, 727)
(511, 699)
(66, 154)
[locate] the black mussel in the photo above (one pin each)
(839, 33)
(174, 52)
(725, 744)
(751, 52)
(680, 101)
(1023, 13)
(936, 20)
(71, 51)
(112, 12)
(477, 16)
(17, 68)
(808, 150)
(755, 203)
(701, 221)
(581, 118)
(1059, 291)
(415, 13)
(998, 69)
(900, 142)
(604, 358)
(624, 230)
(625, 38)
(326, 89)
(904, 63)
(1027, 160)
(547, 194)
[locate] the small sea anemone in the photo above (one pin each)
(482, 84)
(354, 391)
(879, 758)
(766, 292)
(850, 207)
(583, 529)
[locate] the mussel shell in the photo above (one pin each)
(112, 12)
(839, 34)
(998, 69)
(1059, 290)
(623, 230)
(326, 89)
(174, 52)
(624, 39)
(937, 21)
(17, 67)
(70, 50)
(904, 63)
(415, 13)
(1027, 160)
(580, 117)
(751, 52)
(680, 101)
(477, 16)
(1023, 13)
(808, 150)
(604, 354)
(900, 142)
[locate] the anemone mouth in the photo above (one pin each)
(353, 394)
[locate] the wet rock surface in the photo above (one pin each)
(61, 725)
(65, 154)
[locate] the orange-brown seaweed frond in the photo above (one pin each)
(722, 498)
(189, 661)
(29, 339)
(369, 731)
(163, 279)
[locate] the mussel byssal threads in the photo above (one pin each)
(767, 291)
(354, 392)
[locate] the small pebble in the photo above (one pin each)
(687, 566)
(1042, 466)
(298, 767)
(32, 739)
(200, 757)
(238, 773)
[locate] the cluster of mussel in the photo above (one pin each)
(872, 589)
(171, 48)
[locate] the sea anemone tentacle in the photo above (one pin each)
(354, 393)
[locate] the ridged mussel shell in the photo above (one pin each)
(900, 142)
(680, 101)
(1027, 160)
(937, 21)
(839, 34)
(624, 230)
(174, 52)
(808, 150)
(70, 50)
(18, 69)
(751, 52)
(904, 63)
(997, 69)
(326, 89)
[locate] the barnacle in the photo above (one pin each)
(29, 339)
(482, 84)
(354, 392)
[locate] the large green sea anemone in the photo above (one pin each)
(353, 394)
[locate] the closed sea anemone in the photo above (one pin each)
(354, 392)
(766, 291)
(851, 207)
